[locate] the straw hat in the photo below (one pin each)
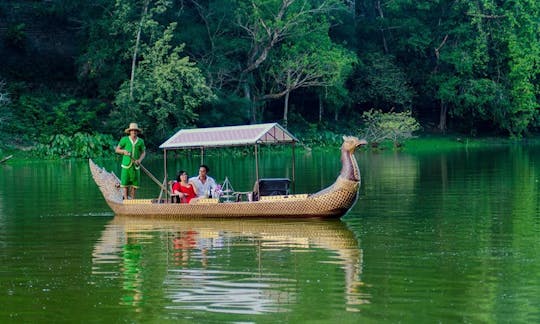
(133, 126)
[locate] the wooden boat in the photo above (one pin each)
(333, 201)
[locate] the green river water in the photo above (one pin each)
(434, 237)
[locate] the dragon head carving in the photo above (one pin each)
(350, 143)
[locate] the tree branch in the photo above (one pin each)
(440, 46)
(479, 15)
(138, 39)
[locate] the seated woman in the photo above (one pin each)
(185, 190)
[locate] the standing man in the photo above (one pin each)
(133, 149)
(204, 183)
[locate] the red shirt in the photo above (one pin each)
(187, 191)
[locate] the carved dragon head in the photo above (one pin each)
(350, 143)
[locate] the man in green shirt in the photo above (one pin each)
(133, 149)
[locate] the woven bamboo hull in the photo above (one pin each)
(331, 202)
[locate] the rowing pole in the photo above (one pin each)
(161, 185)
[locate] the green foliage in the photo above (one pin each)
(73, 115)
(80, 145)
(4, 95)
(488, 72)
(379, 82)
(392, 126)
(105, 61)
(227, 109)
(6, 117)
(264, 50)
(151, 80)
(310, 61)
(474, 63)
(33, 112)
(318, 136)
(16, 36)
(46, 114)
(168, 88)
(524, 51)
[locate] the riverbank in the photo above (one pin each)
(451, 142)
(422, 143)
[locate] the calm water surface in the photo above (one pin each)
(434, 237)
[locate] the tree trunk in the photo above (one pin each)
(442, 117)
(381, 16)
(321, 108)
(286, 109)
(137, 41)
(250, 113)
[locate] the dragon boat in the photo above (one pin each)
(331, 202)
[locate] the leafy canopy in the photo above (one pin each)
(394, 126)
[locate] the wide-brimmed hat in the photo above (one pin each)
(133, 126)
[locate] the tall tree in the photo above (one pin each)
(489, 66)
(478, 59)
(136, 47)
(216, 43)
(4, 95)
(104, 59)
(380, 82)
(273, 26)
(310, 61)
(5, 114)
(158, 85)
(166, 91)
(248, 47)
(524, 53)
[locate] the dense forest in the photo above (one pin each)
(74, 73)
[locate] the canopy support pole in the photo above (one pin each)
(293, 168)
(202, 155)
(257, 166)
(165, 176)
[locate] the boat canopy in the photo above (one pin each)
(271, 133)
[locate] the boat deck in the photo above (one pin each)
(203, 201)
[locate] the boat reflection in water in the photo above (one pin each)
(228, 266)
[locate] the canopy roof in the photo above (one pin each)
(272, 133)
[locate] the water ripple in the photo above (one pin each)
(229, 292)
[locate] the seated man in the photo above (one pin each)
(204, 184)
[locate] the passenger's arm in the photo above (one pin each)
(194, 188)
(178, 193)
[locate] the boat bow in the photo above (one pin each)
(345, 188)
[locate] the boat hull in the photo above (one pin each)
(301, 208)
(332, 202)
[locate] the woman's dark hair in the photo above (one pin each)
(179, 174)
